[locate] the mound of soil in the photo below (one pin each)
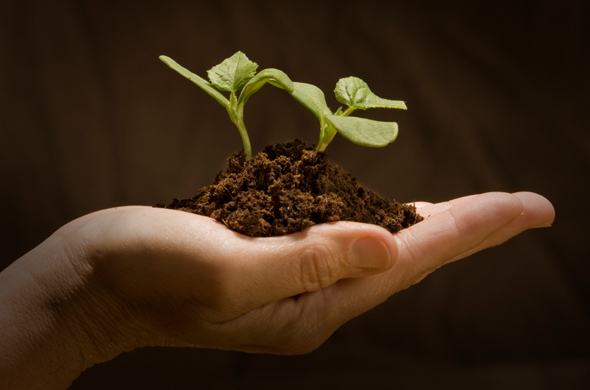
(287, 188)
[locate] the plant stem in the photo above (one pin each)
(348, 111)
(328, 132)
(327, 135)
(236, 113)
(245, 139)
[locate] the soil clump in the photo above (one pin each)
(288, 187)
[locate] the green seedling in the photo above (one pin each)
(238, 73)
(355, 93)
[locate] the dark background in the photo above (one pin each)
(498, 101)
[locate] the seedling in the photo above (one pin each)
(355, 93)
(238, 73)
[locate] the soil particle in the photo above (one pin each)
(287, 188)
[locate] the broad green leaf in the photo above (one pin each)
(233, 73)
(272, 76)
(311, 97)
(201, 82)
(356, 94)
(363, 131)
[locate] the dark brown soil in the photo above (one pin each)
(287, 188)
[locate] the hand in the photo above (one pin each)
(136, 276)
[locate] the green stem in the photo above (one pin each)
(236, 113)
(245, 139)
(328, 132)
(327, 135)
(348, 111)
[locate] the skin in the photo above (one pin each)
(129, 277)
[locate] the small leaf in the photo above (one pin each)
(356, 94)
(363, 131)
(272, 76)
(311, 97)
(201, 82)
(233, 73)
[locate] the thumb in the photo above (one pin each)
(313, 259)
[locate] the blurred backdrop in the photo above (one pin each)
(498, 97)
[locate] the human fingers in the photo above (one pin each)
(425, 247)
(463, 226)
(427, 209)
(537, 212)
(304, 324)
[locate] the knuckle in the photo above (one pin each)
(319, 268)
(413, 250)
(415, 268)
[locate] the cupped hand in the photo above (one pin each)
(166, 277)
(134, 276)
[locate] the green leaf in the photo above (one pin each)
(272, 76)
(233, 73)
(312, 98)
(201, 82)
(363, 131)
(356, 94)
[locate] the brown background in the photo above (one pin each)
(498, 100)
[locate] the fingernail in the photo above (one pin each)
(370, 253)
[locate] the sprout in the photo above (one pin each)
(238, 73)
